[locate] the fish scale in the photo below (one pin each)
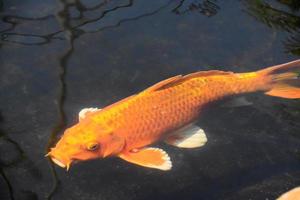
(180, 104)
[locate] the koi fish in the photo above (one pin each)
(166, 112)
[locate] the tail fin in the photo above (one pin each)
(283, 80)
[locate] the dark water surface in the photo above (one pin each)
(58, 57)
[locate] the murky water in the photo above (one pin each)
(58, 57)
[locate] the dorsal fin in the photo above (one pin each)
(206, 73)
(176, 80)
(163, 83)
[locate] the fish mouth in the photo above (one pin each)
(59, 163)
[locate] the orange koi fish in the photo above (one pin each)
(164, 112)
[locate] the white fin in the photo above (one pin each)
(149, 157)
(190, 136)
(83, 113)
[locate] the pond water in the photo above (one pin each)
(58, 57)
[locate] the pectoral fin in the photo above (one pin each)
(86, 111)
(188, 137)
(149, 157)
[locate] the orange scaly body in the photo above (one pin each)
(145, 118)
(163, 112)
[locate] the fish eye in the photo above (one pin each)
(92, 146)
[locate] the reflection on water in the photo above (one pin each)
(81, 17)
(207, 7)
(76, 24)
(59, 57)
(277, 16)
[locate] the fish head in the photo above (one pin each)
(85, 141)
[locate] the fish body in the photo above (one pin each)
(150, 115)
(164, 111)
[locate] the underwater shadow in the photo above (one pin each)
(12, 155)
